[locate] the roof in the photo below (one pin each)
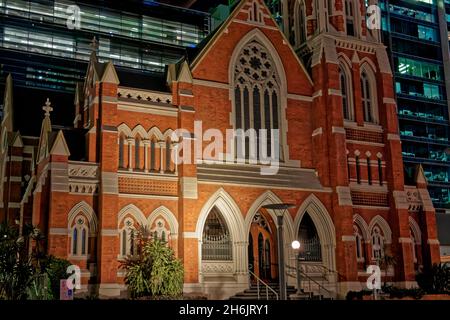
(142, 80)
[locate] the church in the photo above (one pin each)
(324, 85)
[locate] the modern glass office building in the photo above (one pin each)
(412, 31)
(44, 46)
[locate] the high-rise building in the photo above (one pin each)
(416, 34)
(45, 44)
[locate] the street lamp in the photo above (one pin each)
(279, 209)
(296, 246)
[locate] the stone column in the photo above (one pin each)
(146, 147)
(162, 147)
(130, 153)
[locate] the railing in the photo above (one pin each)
(258, 281)
(319, 285)
(311, 250)
(217, 247)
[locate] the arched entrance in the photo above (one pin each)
(310, 249)
(262, 256)
(316, 233)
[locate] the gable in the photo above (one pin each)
(215, 61)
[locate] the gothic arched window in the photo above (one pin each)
(350, 17)
(377, 243)
(80, 237)
(257, 102)
(300, 27)
(216, 242)
(366, 96)
(128, 238)
(346, 91)
(359, 243)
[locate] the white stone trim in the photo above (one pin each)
(299, 97)
(148, 109)
(340, 130)
(109, 233)
(212, 84)
(392, 136)
(58, 231)
(348, 238)
(317, 131)
(383, 225)
(190, 235)
(167, 215)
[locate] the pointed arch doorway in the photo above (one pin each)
(262, 254)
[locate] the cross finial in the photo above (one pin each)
(47, 108)
(94, 44)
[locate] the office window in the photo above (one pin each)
(431, 91)
(419, 69)
(427, 33)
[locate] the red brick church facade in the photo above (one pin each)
(340, 160)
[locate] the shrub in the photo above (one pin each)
(436, 279)
(56, 269)
(167, 272)
(16, 268)
(358, 295)
(155, 271)
(400, 293)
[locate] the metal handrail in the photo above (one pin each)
(310, 279)
(258, 280)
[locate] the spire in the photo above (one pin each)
(94, 46)
(46, 128)
(8, 104)
(421, 180)
(47, 107)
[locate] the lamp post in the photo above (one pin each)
(296, 246)
(279, 210)
(376, 248)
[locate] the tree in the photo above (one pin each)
(24, 273)
(435, 279)
(154, 270)
(16, 267)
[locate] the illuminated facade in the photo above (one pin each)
(340, 161)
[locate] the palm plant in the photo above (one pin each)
(15, 265)
(387, 260)
(435, 279)
(154, 270)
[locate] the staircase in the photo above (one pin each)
(264, 293)
(252, 293)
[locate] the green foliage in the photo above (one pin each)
(39, 288)
(24, 273)
(155, 271)
(358, 295)
(16, 268)
(56, 269)
(167, 272)
(435, 280)
(400, 293)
